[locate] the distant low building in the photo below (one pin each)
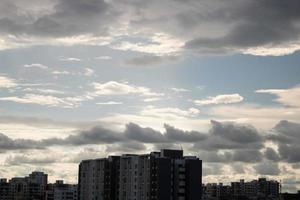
(289, 196)
(36, 187)
(261, 189)
(61, 191)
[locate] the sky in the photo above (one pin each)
(83, 79)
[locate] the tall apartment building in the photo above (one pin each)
(4, 189)
(156, 176)
(99, 179)
(134, 177)
(37, 183)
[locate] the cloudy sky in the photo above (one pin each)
(84, 79)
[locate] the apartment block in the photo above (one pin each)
(156, 176)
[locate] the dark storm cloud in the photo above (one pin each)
(68, 18)
(255, 23)
(231, 136)
(287, 136)
(208, 26)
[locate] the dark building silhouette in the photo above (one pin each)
(156, 176)
(289, 196)
(32, 187)
(99, 178)
(261, 189)
(4, 189)
(36, 187)
(61, 191)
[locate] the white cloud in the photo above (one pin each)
(220, 99)
(45, 100)
(103, 58)
(118, 88)
(169, 112)
(152, 99)
(110, 103)
(180, 90)
(56, 72)
(6, 82)
(288, 97)
(71, 59)
(36, 65)
(88, 72)
(271, 50)
(258, 115)
(43, 91)
(161, 44)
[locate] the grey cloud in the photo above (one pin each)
(235, 132)
(175, 134)
(225, 141)
(287, 136)
(22, 159)
(126, 147)
(231, 136)
(236, 155)
(249, 156)
(212, 169)
(7, 143)
(147, 135)
(96, 135)
(289, 153)
(238, 168)
(271, 154)
(296, 166)
(85, 153)
(208, 26)
(267, 168)
(215, 157)
(166, 146)
(68, 17)
(272, 23)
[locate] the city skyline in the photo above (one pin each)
(156, 175)
(83, 79)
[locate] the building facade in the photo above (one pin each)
(156, 176)
(261, 189)
(61, 191)
(99, 179)
(36, 187)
